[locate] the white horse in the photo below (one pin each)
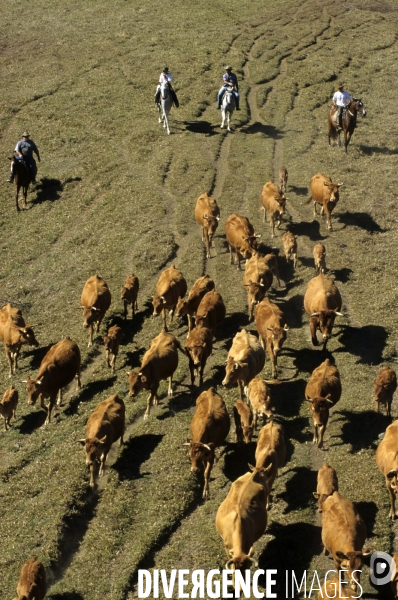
(228, 105)
(164, 106)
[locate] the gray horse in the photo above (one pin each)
(228, 106)
(164, 106)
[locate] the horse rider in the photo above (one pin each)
(24, 153)
(165, 77)
(340, 101)
(229, 80)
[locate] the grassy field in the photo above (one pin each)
(116, 195)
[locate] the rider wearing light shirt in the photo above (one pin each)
(165, 77)
(230, 80)
(340, 100)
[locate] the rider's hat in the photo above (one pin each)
(165, 69)
(25, 134)
(340, 86)
(228, 68)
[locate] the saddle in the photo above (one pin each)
(173, 95)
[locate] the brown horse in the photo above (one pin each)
(349, 121)
(22, 178)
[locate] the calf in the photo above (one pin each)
(325, 193)
(245, 360)
(58, 368)
(272, 328)
(319, 253)
(270, 451)
(198, 347)
(8, 406)
(14, 333)
(95, 301)
(32, 584)
(259, 398)
(170, 287)
(111, 342)
(343, 535)
(207, 216)
(128, 294)
(159, 362)
(190, 306)
(387, 462)
(272, 263)
(322, 392)
(290, 247)
(322, 302)
(240, 237)
(211, 311)
(273, 200)
(257, 279)
(104, 427)
(283, 179)
(209, 428)
(327, 484)
(385, 385)
(243, 422)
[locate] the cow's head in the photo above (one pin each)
(182, 307)
(333, 191)
(137, 382)
(281, 200)
(196, 351)
(234, 371)
(247, 431)
(91, 314)
(352, 563)
(33, 387)
(256, 291)
(200, 455)
(241, 562)
(324, 320)
(278, 337)
(159, 303)
(211, 224)
(125, 293)
(94, 447)
(321, 499)
(251, 245)
(320, 409)
(28, 335)
(200, 320)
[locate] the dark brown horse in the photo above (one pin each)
(349, 121)
(22, 178)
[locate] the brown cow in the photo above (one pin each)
(272, 328)
(327, 484)
(319, 254)
(322, 392)
(385, 385)
(273, 200)
(95, 301)
(289, 241)
(32, 584)
(387, 462)
(283, 174)
(257, 279)
(245, 360)
(242, 518)
(190, 306)
(259, 398)
(111, 342)
(159, 362)
(244, 427)
(240, 237)
(128, 294)
(343, 535)
(170, 287)
(337, 589)
(8, 406)
(14, 333)
(271, 451)
(325, 193)
(322, 302)
(198, 347)
(104, 427)
(207, 216)
(211, 311)
(209, 429)
(272, 263)
(59, 367)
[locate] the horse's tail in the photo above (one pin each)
(333, 131)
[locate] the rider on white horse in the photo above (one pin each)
(165, 77)
(230, 80)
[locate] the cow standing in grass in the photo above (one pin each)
(32, 584)
(385, 385)
(190, 306)
(327, 484)
(129, 293)
(322, 302)
(95, 301)
(170, 287)
(325, 193)
(322, 392)
(14, 333)
(245, 360)
(273, 200)
(240, 237)
(207, 216)
(8, 406)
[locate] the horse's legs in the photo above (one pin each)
(25, 195)
(16, 197)
(222, 118)
(159, 113)
(166, 120)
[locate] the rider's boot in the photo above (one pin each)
(11, 178)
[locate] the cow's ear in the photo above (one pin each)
(242, 365)
(340, 184)
(316, 495)
(251, 467)
(143, 378)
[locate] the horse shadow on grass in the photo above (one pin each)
(359, 219)
(204, 127)
(136, 451)
(49, 190)
(366, 342)
(371, 150)
(299, 488)
(361, 429)
(268, 130)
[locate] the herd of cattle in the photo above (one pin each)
(242, 517)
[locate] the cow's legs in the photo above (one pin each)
(79, 384)
(272, 225)
(273, 360)
(208, 468)
(392, 500)
(50, 406)
(102, 463)
(9, 358)
(315, 211)
(151, 400)
(59, 399)
(90, 336)
(170, 390)
(113, 363)
(241, 390)
(164, 319)
(321, 434)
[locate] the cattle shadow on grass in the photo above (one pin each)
(231, 325)
(366, 342)
(237, 458)
(32, 421)
(342, 275)
(361, 429)
(136, 451)
(368, 512)
(65, 596)
(298, 489)
(299, 191)
(359, 219)
(309, 229)
(287, 397)
(131, 326)
(88, 391)
(36, 355)
(292, 549)
(308, 359)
